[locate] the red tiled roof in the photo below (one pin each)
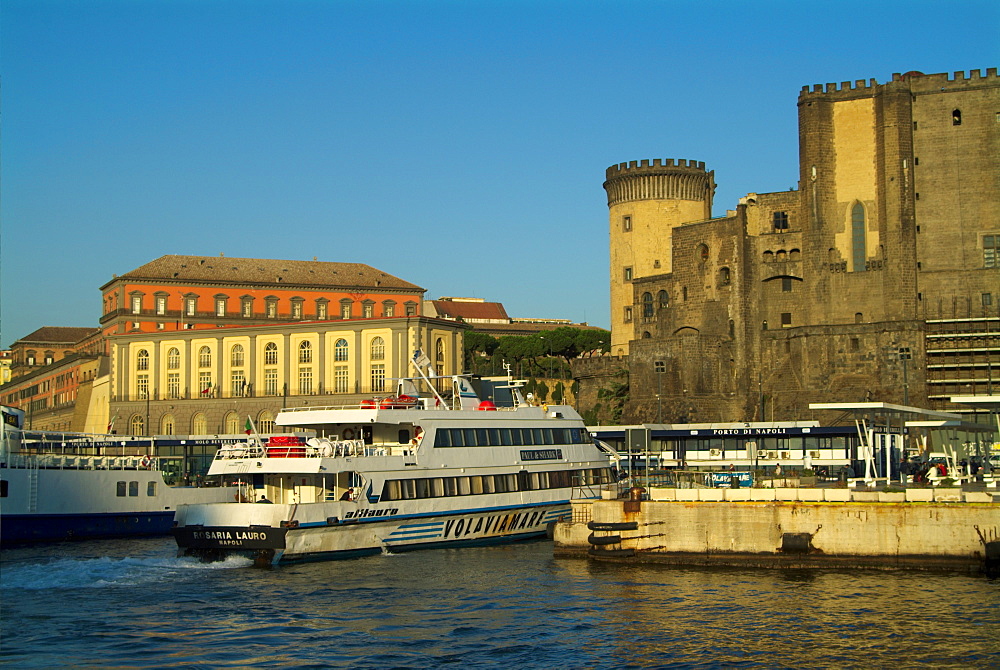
(469, 310)
(262, 271)
(59, 334)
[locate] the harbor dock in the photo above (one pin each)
(944, 529)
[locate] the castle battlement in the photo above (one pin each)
(914, 79)
(654, 166)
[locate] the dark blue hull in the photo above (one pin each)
(27, 528)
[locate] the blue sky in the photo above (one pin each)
(460, 145)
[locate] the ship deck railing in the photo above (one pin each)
(316, 448)
(27, 461)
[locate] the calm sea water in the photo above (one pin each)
(132, 604)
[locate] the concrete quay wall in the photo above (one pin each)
(773, 533)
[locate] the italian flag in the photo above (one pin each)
(249, 427)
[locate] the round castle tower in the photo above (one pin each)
(646, 201)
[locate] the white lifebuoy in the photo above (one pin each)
(348, 434)
(146, 461)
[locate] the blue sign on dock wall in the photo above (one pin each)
(726, 478)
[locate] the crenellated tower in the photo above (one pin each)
(646, 201)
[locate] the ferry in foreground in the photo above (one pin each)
(422, 469)
(72, 486)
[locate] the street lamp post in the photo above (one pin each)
(549, 342)
(905, 355)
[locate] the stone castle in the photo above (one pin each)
(878, 278)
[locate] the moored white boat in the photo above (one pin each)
(420, 469)
(56, 486)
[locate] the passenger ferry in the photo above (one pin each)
(424, 468)
(73, 486)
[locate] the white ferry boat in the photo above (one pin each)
(68, 486)
(420, 469)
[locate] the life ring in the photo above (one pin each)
(146, 461)
(348, 434)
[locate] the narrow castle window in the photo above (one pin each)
(956, 117)
(663, 298)
(855, 344)
(858, 236)
(991, 251)
(626, 223)
(724, 276)
(628, 274)
(786, 284)
(647, 305)
(786, 319)
(780, 220)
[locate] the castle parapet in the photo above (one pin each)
(659, 179)
(914, 80)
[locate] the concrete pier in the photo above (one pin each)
(789, 528)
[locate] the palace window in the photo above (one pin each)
(368, 310)
(173, 386)
(378, 378)
(204, 357)
(270, 381)
(305, 352)
(190, 306)
(204, 383)
(142, 360)
(345, 309)
(137, 426)
(297, 308)
(199, 424)
(271, 307)
(389, 309)
(236, 356)
(341, 381)
(142, 386)
(340, 350)
(161, 304)
(265, 422)
(378, 349)
(305, 381)
(137, 304)
(270, 354)
(246, 307)
(439, 356)
(173, 358)
(237, 384)
(220, 306)
(321, 309)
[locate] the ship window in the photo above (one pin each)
(151, 489)
(423, 488)
(404, 436)
(121, 489)
(463, 486)
(133, 489)
(482, 438)
(3, 488)
(470, 437)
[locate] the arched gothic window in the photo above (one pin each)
(305, 352)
